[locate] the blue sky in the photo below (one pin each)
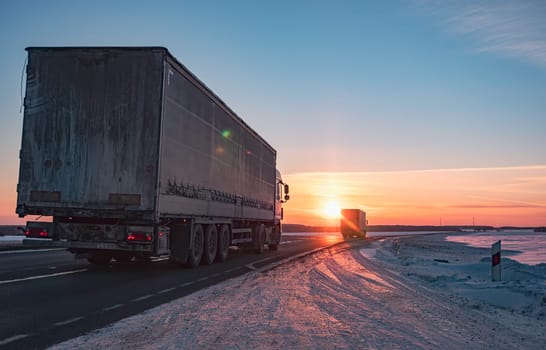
(334, 86)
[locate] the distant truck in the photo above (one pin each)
(130, 155)
(353, 223)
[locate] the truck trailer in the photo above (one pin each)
(353, 223)
(127, 154)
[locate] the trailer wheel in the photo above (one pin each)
(211, 244)
(223, 243)
(196, 251)
(99, 259)
(258, 239)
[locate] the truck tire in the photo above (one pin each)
(223, 244)
(211, 245)
(99, 259)
(258, 239)
(196, 250)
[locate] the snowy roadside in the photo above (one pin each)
(9, 241)
(412, 292)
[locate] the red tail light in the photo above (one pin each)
(139, 237)
(36, 232)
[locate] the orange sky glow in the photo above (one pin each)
(492, 196)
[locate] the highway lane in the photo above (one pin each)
(48, 296)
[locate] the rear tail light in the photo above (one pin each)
(139, 237)
(36, 232)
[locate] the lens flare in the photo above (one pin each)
(332, 210)
(226, 133)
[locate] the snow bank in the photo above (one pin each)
(11, 241)
(406, 293)
(465, 272)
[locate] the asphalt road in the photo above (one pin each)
(46, 296)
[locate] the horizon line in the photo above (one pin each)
(409, 171)
(426, 225)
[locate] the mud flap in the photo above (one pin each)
(258, 238)
(180, 242)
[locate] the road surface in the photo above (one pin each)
(48, 296)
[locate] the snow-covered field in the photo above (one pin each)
(525, 246)
(418, 292)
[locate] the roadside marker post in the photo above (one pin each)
(496, 261)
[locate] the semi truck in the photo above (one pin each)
(353, 223)
(126, 155)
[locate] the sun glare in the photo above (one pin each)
(332, 209)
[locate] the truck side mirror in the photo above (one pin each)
(286, 189)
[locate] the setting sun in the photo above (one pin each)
(332, 209)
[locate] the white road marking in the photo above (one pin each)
(29, 251)
(144, 297)
(42, 276)
(159, 259)
(202, 279)
(233, 269)
(186, 284)
(166, 290)
(251, 265)
(113, 307)
(215, 275)
(72, 320)
(12, 339)
(288, 242)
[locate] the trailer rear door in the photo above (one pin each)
(90, 130)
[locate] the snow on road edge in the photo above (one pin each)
(418, 292)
